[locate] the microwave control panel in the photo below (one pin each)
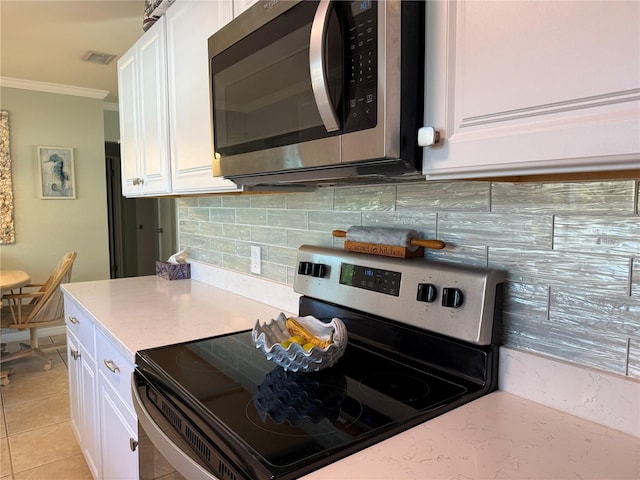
(361, 105)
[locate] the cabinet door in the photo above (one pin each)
(144, 135)
(75, 385)
(90, 437)
(118, 432)
(83, 404)
(240, 6)
(532, 87)
(189, 26)
(127, 98)
(153, 110)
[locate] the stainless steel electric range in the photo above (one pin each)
(423, 339)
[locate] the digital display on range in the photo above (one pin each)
(374, 279)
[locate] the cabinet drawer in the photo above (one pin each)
(81, 324)
(115, 368)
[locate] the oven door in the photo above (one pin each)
(160, 451)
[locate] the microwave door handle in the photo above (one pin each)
(317, 67)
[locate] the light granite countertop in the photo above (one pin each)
(500, 435)
(145, 312)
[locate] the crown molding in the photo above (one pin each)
(111, 106)
(53, 88)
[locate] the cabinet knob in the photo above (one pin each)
(133, 444)
(111, 366)
(74, 320)
(428, 136)
(75, 354)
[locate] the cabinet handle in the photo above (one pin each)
(137, 181)
(74, 320)
(133, 444)
(75, 354)
(428, 136)
(111, 366)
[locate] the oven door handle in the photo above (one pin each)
(169, 450)
(318, 68)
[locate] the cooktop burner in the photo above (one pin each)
(240, 415)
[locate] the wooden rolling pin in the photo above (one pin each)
(388, 236)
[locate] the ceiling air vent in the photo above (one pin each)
(98, 57)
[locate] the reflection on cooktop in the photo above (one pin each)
(300, 397)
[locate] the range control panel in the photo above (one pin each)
(454, 300)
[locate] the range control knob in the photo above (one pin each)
(452, 297)
(319, 270)
(304, 268)
(427, 292)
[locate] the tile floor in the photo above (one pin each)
(36, 439)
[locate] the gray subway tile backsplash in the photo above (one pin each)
(424, 223)
(376, 198)
(601, 196)
(235, 231)
(268, 201)
(497, 229)
(603, 234)
(208, 202)
(442, 196)
(571, 250)
(251, 216)
(268, 235)
(635, 278)
(287, 218)
(321, 199)
(591, 272)
(334, 220)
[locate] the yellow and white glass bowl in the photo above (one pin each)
(269, 338)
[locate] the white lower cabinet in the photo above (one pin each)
(84, 407)
(118, 435)
(82, 384)
(102, 415)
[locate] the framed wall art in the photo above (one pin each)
(7, 229)
(57, 173)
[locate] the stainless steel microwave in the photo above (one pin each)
(311, 92)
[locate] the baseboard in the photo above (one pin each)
(17, 336)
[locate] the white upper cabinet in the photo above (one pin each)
(532, 87)
(189, 26)
(144, 139)
(240, 6)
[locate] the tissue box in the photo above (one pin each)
(173, 271)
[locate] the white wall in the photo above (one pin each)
(46, 229)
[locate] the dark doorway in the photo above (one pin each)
(141, 230)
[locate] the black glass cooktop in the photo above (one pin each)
(250, 417)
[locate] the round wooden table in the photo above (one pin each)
(10, 279)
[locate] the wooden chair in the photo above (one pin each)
(37, 309)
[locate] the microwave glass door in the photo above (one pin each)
(262, 90)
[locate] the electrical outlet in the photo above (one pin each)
(256, 260)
